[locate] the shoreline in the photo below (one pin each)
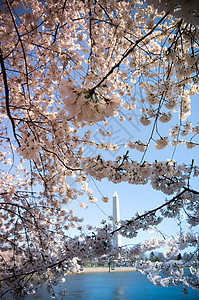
(92, 270)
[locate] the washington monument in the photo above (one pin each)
(116, 221)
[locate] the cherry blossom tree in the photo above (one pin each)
(66, 68)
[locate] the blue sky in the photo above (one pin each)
(136, 198)
(133, 198)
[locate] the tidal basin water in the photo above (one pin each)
(115, 286)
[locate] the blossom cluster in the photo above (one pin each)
(187, 10)
(86, 105)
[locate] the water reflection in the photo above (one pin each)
(114, 286)
(119, 294)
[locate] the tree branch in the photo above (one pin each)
(22, 46)
(7, 97)
(127, 53)
(176, 198)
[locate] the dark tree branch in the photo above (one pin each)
(22, 46)
(7, 97)
(174, 199)
(55, 154)
(126, 54)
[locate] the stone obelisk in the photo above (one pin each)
(116, 221)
